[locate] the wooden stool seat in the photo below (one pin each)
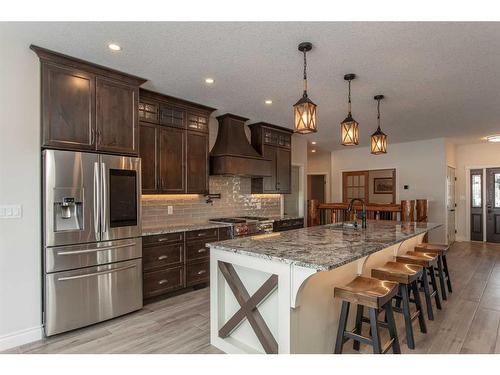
(440, 249)
(367, 291)
(420, 258)
(401, 273)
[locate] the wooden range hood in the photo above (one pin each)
(232, 154)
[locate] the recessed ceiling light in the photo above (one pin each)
(268, 102)
(313, 142)
(493, 138)
(209, 80)
(114, 47)
(313, 150)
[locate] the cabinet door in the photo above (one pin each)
(172, 160)
(269, 183)
(197, 162)
(148, 151)
(283, 170)
(172, 116)
(68, 109)
(197, 121)
(116, 117)
(148, 111)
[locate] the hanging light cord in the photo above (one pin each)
(305, 74)
(349, 102)
(378, 113)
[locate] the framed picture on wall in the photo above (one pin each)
(383, 185)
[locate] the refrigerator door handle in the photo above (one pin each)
(104, 199)
(97, 201)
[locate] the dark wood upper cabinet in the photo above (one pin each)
(273, 142)
(172, 154)
(87, 107)
(68, 99)
(148, 151)
(197, 162)
(181, 143)
(116, 117)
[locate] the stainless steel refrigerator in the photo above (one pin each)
(92, 249)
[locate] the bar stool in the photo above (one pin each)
(376, 295)
(428, 261)
(442, 268)
(407, 276)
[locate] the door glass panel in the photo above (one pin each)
(362, 180)
(349, 180)
(497, 190)
(122, 198)
(355, 181)
(476, 190)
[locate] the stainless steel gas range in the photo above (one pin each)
(247, 225)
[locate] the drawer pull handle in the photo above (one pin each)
(201, 234)
(203, 250)
(162, 239)
(161, 257)
(161, 282)
(202, 272)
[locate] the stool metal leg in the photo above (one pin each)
(407, 316)
(391, 324)
(418, 304)
(447, 273)
(377, 349)
(359, 324)
(342, 325)
(427, 294)
(434, 287)
(442, 283)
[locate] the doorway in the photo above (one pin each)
(485, 204)
(293, 203)
(316, 187)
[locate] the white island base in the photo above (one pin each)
(296, 311)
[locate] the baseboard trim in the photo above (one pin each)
(21, 337)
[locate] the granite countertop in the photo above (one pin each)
(324, 247)
(162, 229)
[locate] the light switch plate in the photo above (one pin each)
(11, 211)
(170, 210)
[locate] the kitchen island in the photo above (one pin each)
(273, 293)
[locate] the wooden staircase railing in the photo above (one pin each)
(327, 213)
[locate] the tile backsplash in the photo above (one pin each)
(236, 199)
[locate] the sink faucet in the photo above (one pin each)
(363, 217)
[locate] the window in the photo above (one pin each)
(477, 191)
(497, 190)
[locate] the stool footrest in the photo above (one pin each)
(387, 346)
(360, 338)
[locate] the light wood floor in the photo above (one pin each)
(468, 323)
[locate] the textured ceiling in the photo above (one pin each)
(439, 79)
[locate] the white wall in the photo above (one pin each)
(20, 249)
(299, 158)
(420, 165)
(472, 156)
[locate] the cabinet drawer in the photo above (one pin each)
(203, 234)
(225, 233)
(160, 256)
(197, 273)
(163, 238)
(162, 281)
(197, 250)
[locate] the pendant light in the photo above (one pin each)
(379, 138)
(305, 110)
(349, 127)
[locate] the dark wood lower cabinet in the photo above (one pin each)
(287, 224)
(177, 261)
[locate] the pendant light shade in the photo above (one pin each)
(349, 131)
(304, 110)
(379, 138)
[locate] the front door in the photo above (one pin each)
(476, 205)
(493, 204)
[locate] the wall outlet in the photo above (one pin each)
(258, 205)
(170, 210)
(12, 211)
